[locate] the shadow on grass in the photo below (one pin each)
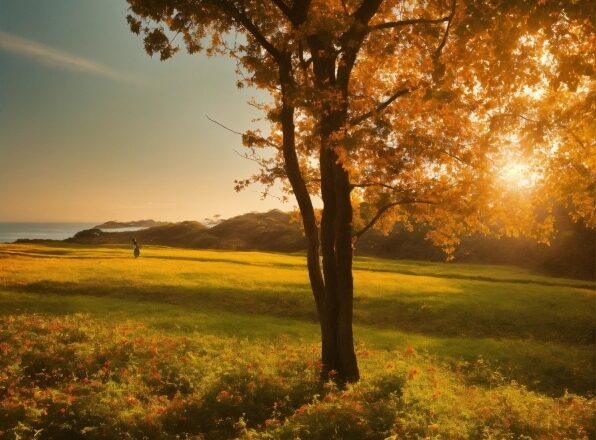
(542, 366)
(531, 318)
(579, 284)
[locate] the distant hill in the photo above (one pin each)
(180, 234)
(571, 254)
(270, 231)
(132, 224)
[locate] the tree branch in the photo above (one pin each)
(247, 157)
(261, 163)
(287, 11)
(453, 156)
(382, 106)
(301, 9)
(351, 40)
(446, 34)
(573, 134)
(223, 126)
(265, 194)
(400, 23)
(296, 14)
(251, 28)
(265, 140)
(370, 184)
(384, 209)
(519, 115)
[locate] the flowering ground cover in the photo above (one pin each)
(220, 345)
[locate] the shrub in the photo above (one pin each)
(73, 378)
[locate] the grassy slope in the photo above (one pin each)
(536, 330)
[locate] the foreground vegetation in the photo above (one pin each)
(204, 344)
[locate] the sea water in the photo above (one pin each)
(9, 232)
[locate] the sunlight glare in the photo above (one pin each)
(517, 174)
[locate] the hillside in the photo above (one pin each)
(572, 253)
(270, 231)
(181, 234)
(112, 224)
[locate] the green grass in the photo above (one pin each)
(219, 345)
(536, 330)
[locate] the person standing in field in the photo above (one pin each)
(136, 248)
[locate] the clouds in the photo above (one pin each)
(60, 59)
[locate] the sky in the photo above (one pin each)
(93, 129)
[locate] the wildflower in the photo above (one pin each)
(328, 397)
(413, 373)
(155, 374)
(301, 410)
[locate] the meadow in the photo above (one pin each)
(219, 345)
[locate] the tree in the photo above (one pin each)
(404, 111)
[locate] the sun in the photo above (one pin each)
(518, 175)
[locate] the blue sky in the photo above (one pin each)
(92, 128)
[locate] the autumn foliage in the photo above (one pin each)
(465, 116)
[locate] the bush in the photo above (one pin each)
(73, 378)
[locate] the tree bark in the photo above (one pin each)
(300, 190)
(339, 358)
(345, 294)
(336, 239)
(331, 358)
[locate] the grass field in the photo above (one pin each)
(506, 345)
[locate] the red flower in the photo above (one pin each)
(412, 373)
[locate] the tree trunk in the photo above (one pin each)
(331, 358)
(332, 77)
(336, 239)
(345, 283)
(333, 289)
(300, 190)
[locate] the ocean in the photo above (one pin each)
(9, 232)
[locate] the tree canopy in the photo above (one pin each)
(466, 116)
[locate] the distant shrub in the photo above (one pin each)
(74, 378)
